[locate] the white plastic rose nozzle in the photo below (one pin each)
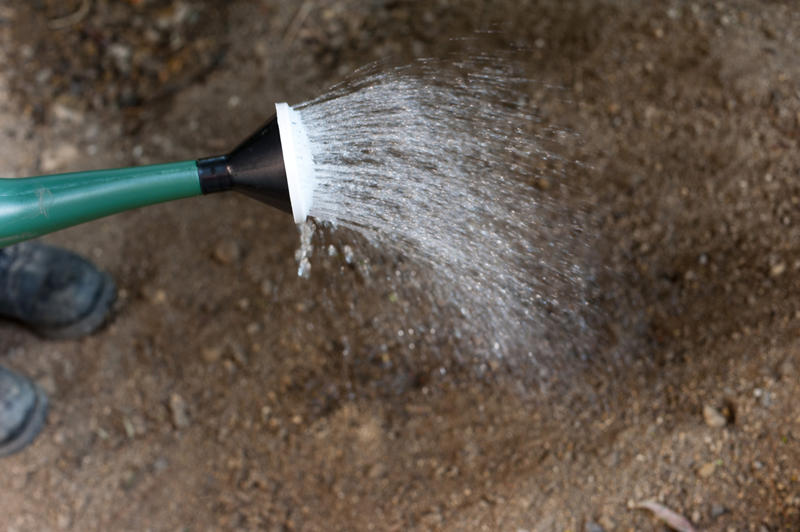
(297, 160)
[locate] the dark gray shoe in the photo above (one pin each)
(23, 408)
(54, 292)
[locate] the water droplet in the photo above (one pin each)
(349, 256)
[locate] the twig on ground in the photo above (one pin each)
(297, 22)
(672, 519)
(72, 19)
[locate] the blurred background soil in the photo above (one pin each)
(228, 394)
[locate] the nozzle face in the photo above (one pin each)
(297, 160)
(255, 168)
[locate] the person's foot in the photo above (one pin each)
(52, 291)
(23, 408)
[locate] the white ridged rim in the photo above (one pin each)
(297, 160)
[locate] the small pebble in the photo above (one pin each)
(377, 470)
(591, 526)
(48, 384)
(138, 424)
(267, 288)
(159, 297)
(160, 464)
(238, 353)
(64, 520)
(180, 415)
(713, 417)
(777, 269)
(59, 157)
(787, 369)
(67, 114)
(227, 252)
(707, 470)
(212, 354)
(130, 432)
(717, 510)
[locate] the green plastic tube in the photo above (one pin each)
(34, 206)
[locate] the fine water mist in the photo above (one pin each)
(449, 164)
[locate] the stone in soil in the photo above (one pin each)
(707, 470)
(713, 417)
(59, 157)
(717, 510)
(227, 252)
(179, 410)
(591, 526)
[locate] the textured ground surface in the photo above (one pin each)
(229, 394)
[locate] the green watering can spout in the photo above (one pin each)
(34, 206)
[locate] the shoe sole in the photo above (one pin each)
(32, 427)
(89, 323)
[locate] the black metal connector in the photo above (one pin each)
(214, 174)
(255, 168)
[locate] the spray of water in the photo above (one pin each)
(446, 163)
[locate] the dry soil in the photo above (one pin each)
(228, 394)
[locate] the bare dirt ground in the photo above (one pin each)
(228, 394)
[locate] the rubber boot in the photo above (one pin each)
(23, 408)
(52, 291)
